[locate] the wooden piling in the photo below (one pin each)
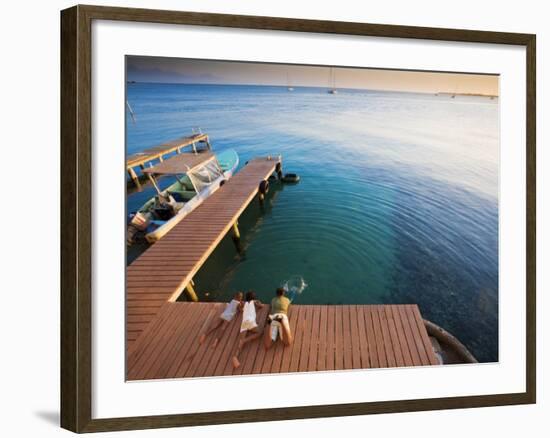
(190, 292)
(134, 177)
(237, 237)
(236, 232)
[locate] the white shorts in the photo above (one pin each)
(248, 325)
(230, 310)
(227, 316)
(277, 326)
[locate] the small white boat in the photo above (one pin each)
(197, 176)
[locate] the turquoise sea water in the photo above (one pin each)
(397, 203)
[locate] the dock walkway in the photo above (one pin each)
(158, 153)
(326, 337)
(164, 270)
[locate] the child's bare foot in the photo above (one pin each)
(215, 343)
(202, 338)
(236, 363)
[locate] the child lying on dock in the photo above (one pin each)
(277, 320)
(231, 309)
(249, 326)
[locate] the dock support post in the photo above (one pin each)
(237, 237)
(190, 292)
(236, 233)
(134, 177)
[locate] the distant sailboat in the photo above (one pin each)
(332, 82)
(288, 86)
(454, 93)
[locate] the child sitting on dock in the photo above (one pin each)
(224, 319)
(249, 326)
(278, 320)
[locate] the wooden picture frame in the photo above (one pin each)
(76, 222)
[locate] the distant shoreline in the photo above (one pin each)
(446, 93)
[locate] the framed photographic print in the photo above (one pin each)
(268, 218)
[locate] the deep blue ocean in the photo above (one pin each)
(397, 203)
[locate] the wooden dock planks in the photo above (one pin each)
(326, 337)
(157, 152)
(163, 271)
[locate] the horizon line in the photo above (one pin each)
(130, 81)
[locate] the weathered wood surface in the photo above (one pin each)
(326, 337)
(181, 163)
(163, 271)
(156, 152)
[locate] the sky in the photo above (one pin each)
(193, 71)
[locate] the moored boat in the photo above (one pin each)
(197, 176)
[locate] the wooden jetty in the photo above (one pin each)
(167, 268)
(140, 159)
(326, 337)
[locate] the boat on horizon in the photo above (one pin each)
(197, 176)
(288, 86)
